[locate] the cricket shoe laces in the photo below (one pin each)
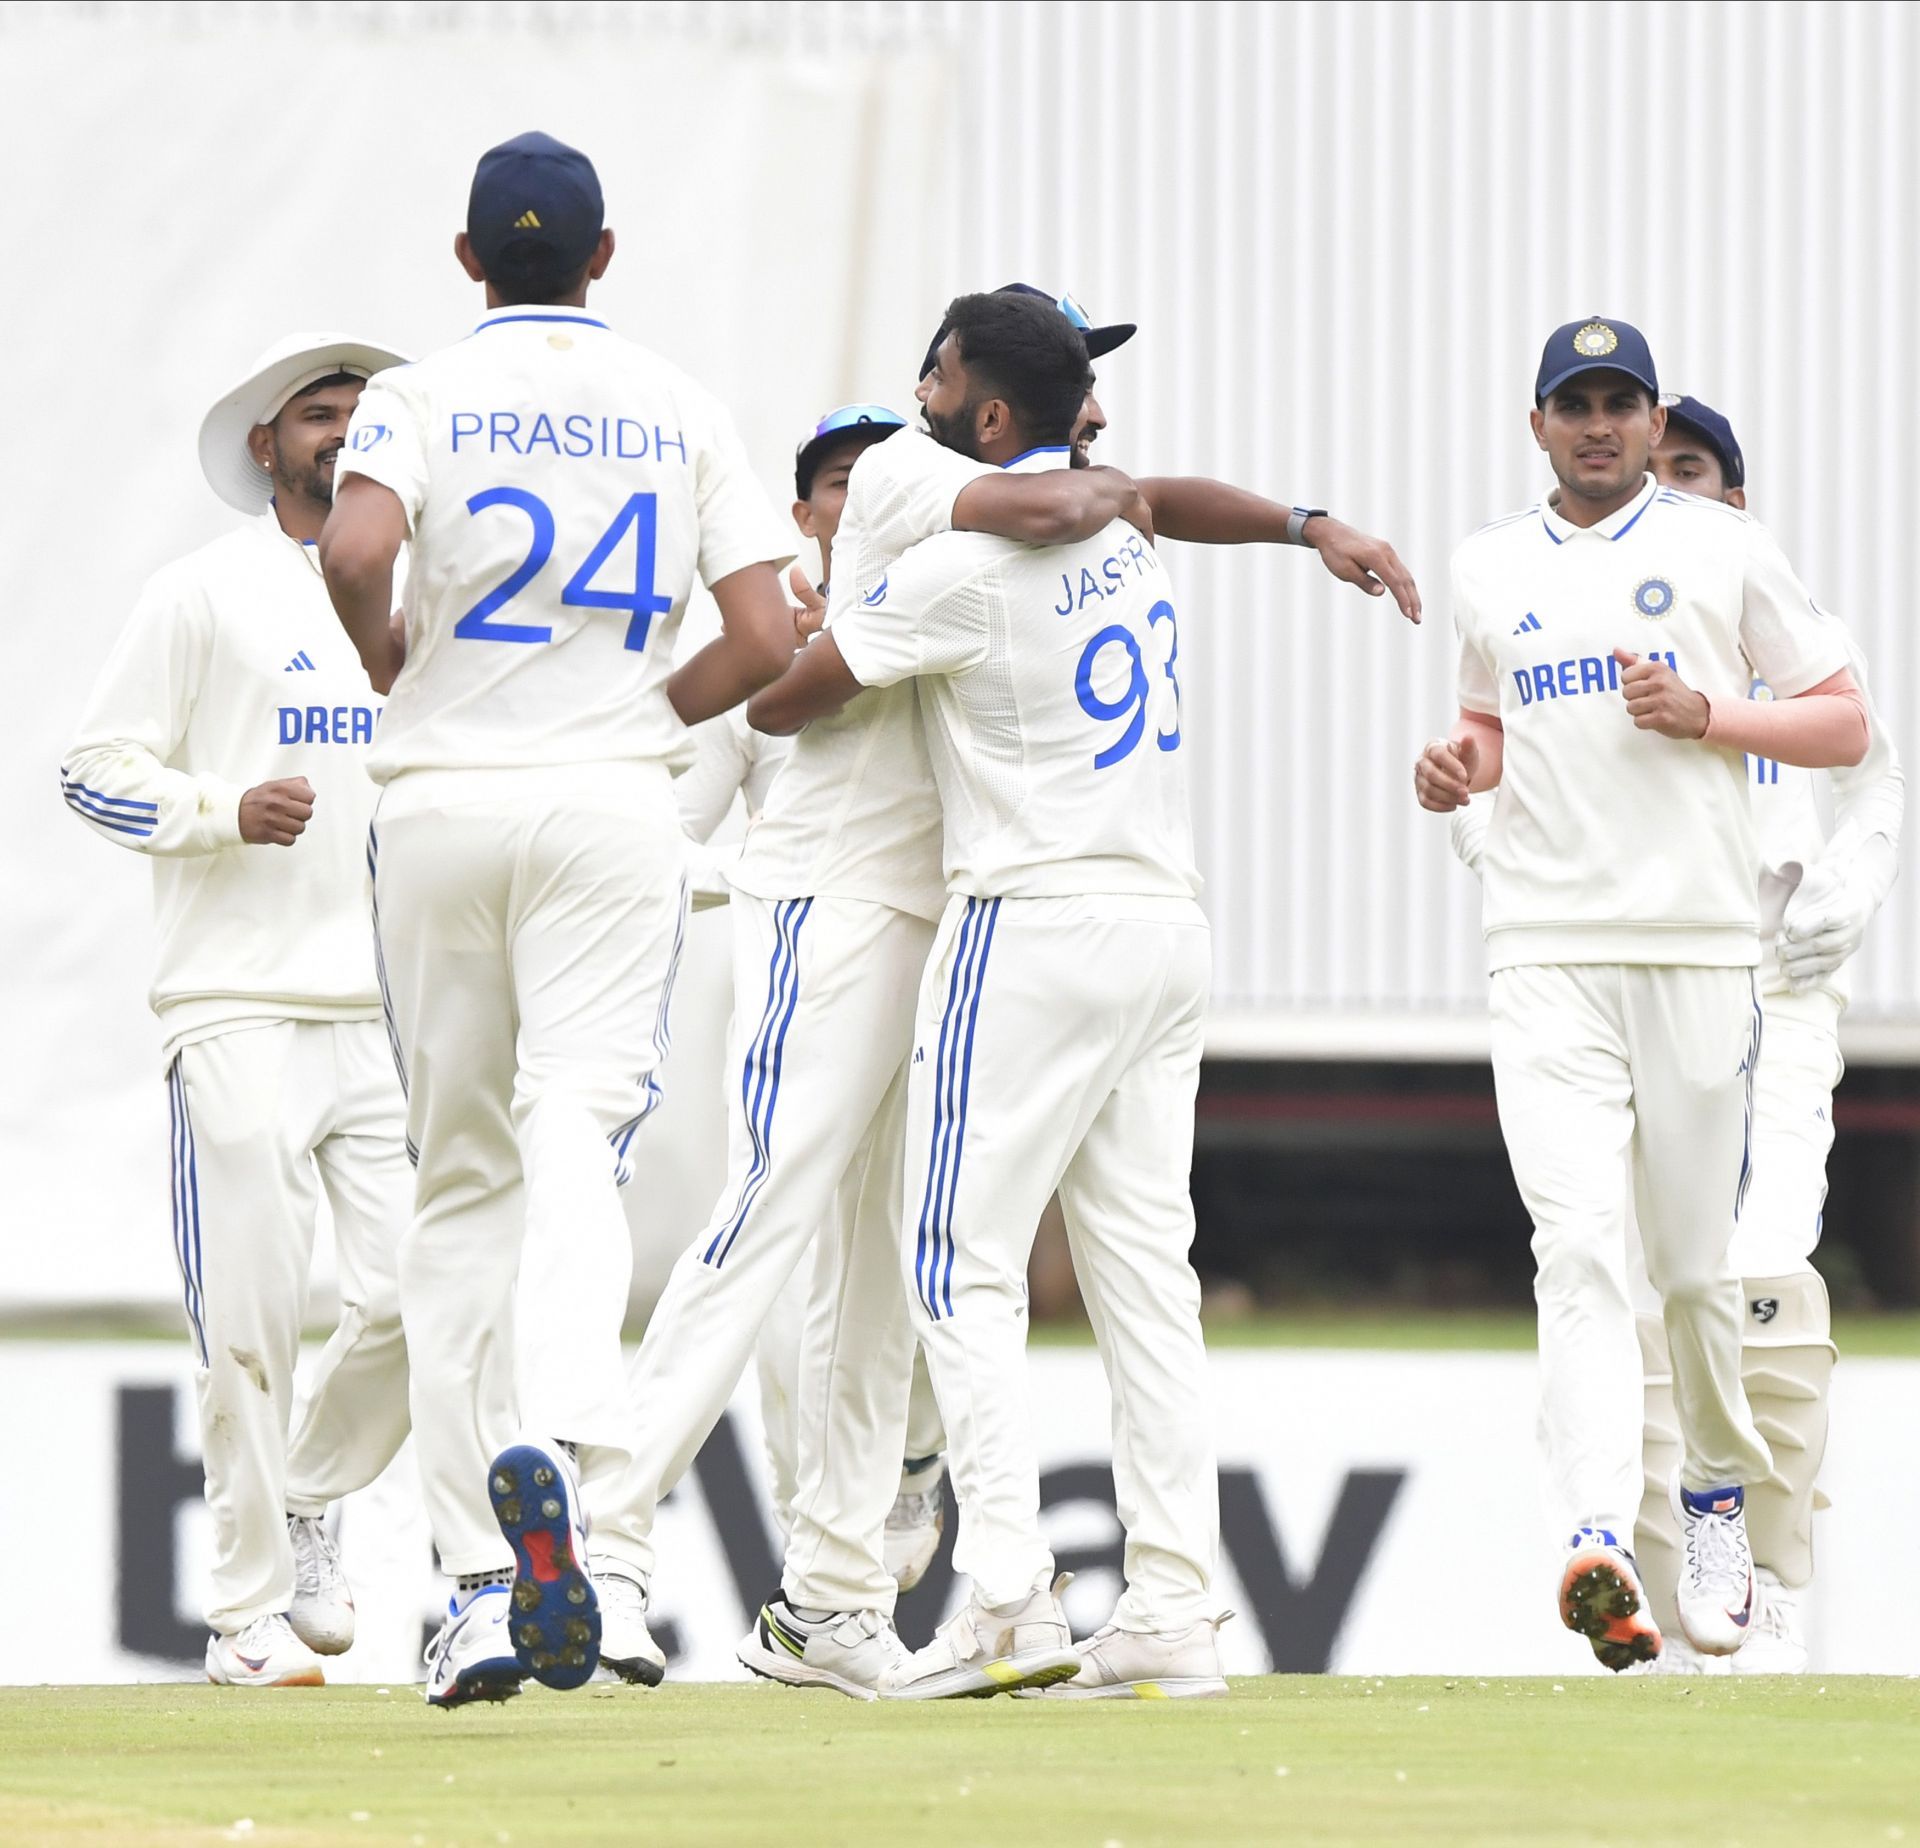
(1716, 1590)
(322, 1609)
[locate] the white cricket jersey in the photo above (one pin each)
(1611, 844)
(734, 767)
(1796, 811)
(1049, 680)
(234, 671)
(854, 813)
(562, 487)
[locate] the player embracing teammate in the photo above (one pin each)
(1609, 639)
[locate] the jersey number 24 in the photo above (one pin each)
(642, 603)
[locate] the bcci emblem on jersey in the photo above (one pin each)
(1595, 341)
(1653, 597)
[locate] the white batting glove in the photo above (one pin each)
(1826, 919)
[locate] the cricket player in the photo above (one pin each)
(1829, 850)
(560, 486)
(1609, 639)
(227, 737)
(1057, 1040)
(834, 898)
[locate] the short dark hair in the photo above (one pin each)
(1026, 351)
(534, 283)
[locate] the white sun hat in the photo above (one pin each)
(286, 367)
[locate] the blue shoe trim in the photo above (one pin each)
(546, 1608)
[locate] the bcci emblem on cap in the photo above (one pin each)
(1595, 341)
(1653, 597)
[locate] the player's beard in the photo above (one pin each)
(313, 483)
(955, 432)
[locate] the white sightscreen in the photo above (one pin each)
(1343, 230)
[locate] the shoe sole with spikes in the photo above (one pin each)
(1604, 1603)
(555, 1625)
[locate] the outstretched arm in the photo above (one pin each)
(1203, 512)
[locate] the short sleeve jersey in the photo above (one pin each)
(1611, 844)
(1049, 683)
(562, 486)
(853, 813)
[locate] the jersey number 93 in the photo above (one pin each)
(1130, 705)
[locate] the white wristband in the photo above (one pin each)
(1297, 523)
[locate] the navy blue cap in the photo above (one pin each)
(875, 422)
(1594, 345)
(1712, 429)
(1099, 339)
(535, 211)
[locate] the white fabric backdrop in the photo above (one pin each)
(187, 195)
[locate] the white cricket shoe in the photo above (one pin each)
(266, 1654)
(915, 1523)
(855, 1653)
(321, 1613)
(1778, 1645)
(984, 1651)
(1602, 1599)
(1117, 1664)
(627, 1648)
(1715, 1594)
(471, 1658)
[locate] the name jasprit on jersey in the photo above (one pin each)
(578, 434)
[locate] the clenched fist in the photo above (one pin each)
(276, 814)
(1443, 774)
(1659, 700)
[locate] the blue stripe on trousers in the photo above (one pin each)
(186, 1207)
(760, 1074)
(929, 1218)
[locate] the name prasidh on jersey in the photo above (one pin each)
(327, 724)
(576, 435)
(1576, 675)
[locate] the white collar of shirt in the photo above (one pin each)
(1039, 461)
(537, 311)
(275, 533)
(1614, 526)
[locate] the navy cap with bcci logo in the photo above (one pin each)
(1713, 430)
(535, 212)
(1594, 345)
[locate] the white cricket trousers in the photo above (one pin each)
(1614, 1075)
(1058, 1046)
(262, 1118)
(527, 923)
(823, 1014)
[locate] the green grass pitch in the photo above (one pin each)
(1285, 1759)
